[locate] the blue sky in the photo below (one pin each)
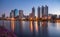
(26, 5)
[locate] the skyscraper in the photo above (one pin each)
(38, 12)
(16, 12)
(12, 14)
(20, 14)
(46, 10)
(42, 10)
(33, 12)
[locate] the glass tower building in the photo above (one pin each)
(16, 13)
(38, 12)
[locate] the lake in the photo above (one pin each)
(32, 28)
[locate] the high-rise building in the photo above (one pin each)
(12, 14)
(16, 12)
(33, 12)
(42, 10)
(38, 12)
(46, 10)
(21, 13)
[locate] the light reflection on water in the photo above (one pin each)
(33, 28)
(36, 26)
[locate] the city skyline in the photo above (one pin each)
(41, 12)
(26, 5)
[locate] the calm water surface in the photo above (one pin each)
(32, 28)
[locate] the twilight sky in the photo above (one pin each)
(26, 5)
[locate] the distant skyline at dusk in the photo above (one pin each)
(26, 5)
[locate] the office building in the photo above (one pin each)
(42, 10)
(16, 12)
(46, 10)
(21, 14)
(38, 12)
(12, 14)
(33, 12)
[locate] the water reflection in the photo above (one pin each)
(36, 26)
(18, 28)
(39, 31)
(33, 28)
(12, 24)
(44, 29)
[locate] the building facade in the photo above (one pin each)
(21, 14)
(44, 11)
(38, 12)
(16, 12)
(33, 12)
(12, 14)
